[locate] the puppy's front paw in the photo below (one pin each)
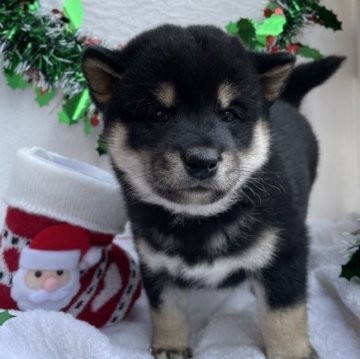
(160, 353)
(313, 355)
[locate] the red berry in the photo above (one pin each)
(279, 11)
(95, 121)
(267, 12)
(270, 40)
(312, 17)
(275, 49)
(88, 41)
(292, 48)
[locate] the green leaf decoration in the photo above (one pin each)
(34, 6)
(352, 268)
(273, 25)
(64, 118)
(4, 316)
(246, 31)
(232, 28)
(328, 18)
(74, 12)
(44, 99)
(75, 107)
(15, 81)
(309, 52)
(101, 148)
(87, 127)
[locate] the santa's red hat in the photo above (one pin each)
(59, 247)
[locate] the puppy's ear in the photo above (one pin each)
(102, 69)
(273, 70)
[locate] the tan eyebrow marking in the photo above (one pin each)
(226, 93)
(166, 94)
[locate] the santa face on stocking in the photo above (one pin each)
(48, 276)
(46, 289)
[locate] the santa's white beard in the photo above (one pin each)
(27, 298)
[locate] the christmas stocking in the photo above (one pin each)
(56, 248)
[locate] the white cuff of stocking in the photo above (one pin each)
(67, 190)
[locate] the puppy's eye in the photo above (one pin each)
(229, 116)
(38, 274)
(59, 272)
(160, 115)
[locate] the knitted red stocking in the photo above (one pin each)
(56, 250)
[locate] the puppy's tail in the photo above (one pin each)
(305, 77)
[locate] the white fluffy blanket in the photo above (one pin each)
(224, 325)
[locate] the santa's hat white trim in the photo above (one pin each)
(67, 190)
(91, 257)
(34, 259)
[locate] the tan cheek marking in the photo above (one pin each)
(285, 331)
(257, 154)
(169, 323)
(226, 94)
(124, 157)
(166, 94)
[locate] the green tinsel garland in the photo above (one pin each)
(43, 50)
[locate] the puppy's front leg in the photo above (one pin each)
(285, 332)
(170, 331)
(281, 295)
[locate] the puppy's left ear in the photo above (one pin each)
(103, 70)
(273, 70)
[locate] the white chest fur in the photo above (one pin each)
(212, 274)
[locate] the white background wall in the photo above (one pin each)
(331, 108)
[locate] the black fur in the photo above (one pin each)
(307, 76)
(197, 60)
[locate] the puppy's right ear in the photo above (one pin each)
(102, 70)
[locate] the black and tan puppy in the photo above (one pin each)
(216, 171)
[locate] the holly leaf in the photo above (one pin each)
(247, 32)
(273, 25)
(74, 12)
(4, 316)
(327, 17)
(232, 28)
(34, 6)
(64, 118)
(352, 268)
(75, 108)
(309, 52)
(15, 81)
(101, 148)
(42, 98)
(87, 126)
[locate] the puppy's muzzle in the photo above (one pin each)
(201, 163)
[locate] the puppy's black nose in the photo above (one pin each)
(201, 163)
